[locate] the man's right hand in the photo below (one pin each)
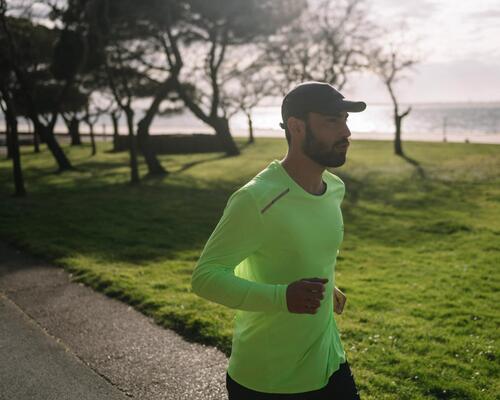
(303, 296)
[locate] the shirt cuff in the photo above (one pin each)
(281, 292)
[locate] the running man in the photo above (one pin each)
(272, 257)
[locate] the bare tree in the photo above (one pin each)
(391, 65)
(93, 111)
(326, 43)
(120, 80)
(115, 114)
(244, 84)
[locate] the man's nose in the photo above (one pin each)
(347, 132)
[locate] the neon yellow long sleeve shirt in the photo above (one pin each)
(273, 232)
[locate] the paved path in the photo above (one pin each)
(62, 340)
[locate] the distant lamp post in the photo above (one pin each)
(444, 128)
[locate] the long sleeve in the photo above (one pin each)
(237, 235)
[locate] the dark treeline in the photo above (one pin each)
(81, 59)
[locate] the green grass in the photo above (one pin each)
(419, 263)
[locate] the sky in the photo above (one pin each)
(457, 44)
(459, 47)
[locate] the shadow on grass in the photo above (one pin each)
(188, 165)
(417, 165)
(117, 222)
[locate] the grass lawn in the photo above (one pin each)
(419, 263)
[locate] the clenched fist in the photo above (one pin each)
(304, 296)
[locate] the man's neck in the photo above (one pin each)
(306, 173)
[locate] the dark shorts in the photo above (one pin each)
(340, 386)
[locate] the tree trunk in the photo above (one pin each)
(398, 146)
(74, 131)
(250, 128)
(36, 141)
(13, 144)
(114, 120)
(221, 126)
(37, 128)
(398, 119)
(8, 136)
(154, 166)
(92, 139)
(47, 136)
(134, 171)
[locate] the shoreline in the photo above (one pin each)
(478, 138)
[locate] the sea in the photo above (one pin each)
(452, 122)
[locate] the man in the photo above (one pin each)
(272, 257)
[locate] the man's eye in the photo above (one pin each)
(337, 120)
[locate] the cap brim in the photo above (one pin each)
(352, 106)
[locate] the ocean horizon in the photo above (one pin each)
(453, 122)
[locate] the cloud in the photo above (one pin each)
(422, 9)
(486, 14)
(453, 81)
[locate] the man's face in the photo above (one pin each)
(326, 139)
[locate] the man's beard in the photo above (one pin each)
(317, 152)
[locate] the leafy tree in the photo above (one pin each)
(28, 50)
(124, 32)
(7, 105)
(200, 44)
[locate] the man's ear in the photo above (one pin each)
(295, 125)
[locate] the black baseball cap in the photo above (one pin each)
(314, 96)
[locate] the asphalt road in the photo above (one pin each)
(62, 340)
